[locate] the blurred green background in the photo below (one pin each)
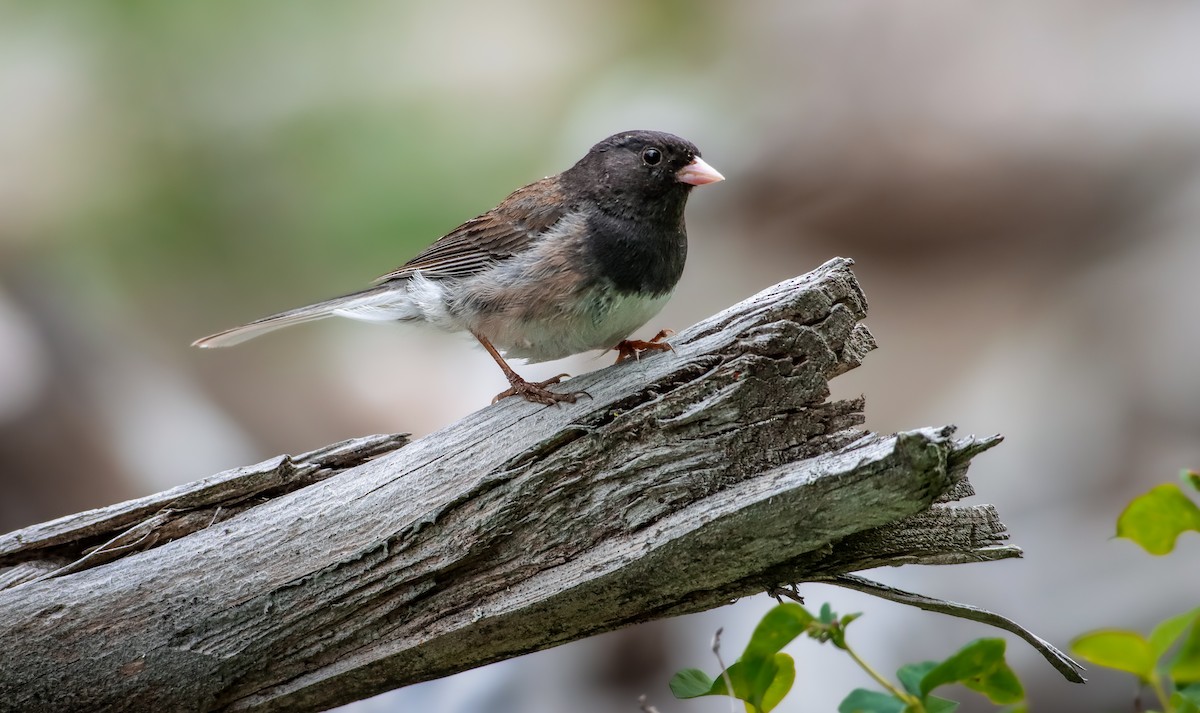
(1017, 182)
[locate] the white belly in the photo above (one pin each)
(600, 323)
(599, 320)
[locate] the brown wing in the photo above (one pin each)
(494, 236)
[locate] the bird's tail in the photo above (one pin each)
(383, 303)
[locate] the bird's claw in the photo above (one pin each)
(537, 392)
(634, 348)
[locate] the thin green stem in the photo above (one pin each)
(908, 698)
(1163, 699)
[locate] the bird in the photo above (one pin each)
(570, 263)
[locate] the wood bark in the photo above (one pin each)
(687, 480)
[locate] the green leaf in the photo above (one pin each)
(1185, 667)
(760, 663)
(737, 676)
(1169, 630)
(861, 700)
(933, 704)
(979, 666)
(1001, 686)
(758, 674)
(769, 691)
(1190, 693)
(1186, 699)
(777, 629)
(910, 676)
(785, 676)
(691, 683)
(1182, 705)
(762, 677)
(1118, 649)
(827, 616)
(1156, 519)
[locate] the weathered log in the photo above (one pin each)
(688, 479)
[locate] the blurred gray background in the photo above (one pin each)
(1018, 183)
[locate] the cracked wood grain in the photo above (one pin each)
(687, 480)
(76, 542)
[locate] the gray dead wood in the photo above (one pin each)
(687, 480)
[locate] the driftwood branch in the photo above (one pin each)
(689, 479)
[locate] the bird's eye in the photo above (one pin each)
(652, 156)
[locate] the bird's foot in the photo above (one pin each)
(634, 348)
(537, 392)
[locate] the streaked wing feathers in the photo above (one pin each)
(494, 236)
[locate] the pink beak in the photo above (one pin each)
(698, 173)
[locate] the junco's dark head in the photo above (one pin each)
(637, 171)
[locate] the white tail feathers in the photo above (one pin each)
(379, 304)
(237, 335)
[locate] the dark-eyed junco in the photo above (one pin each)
(567, 264)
